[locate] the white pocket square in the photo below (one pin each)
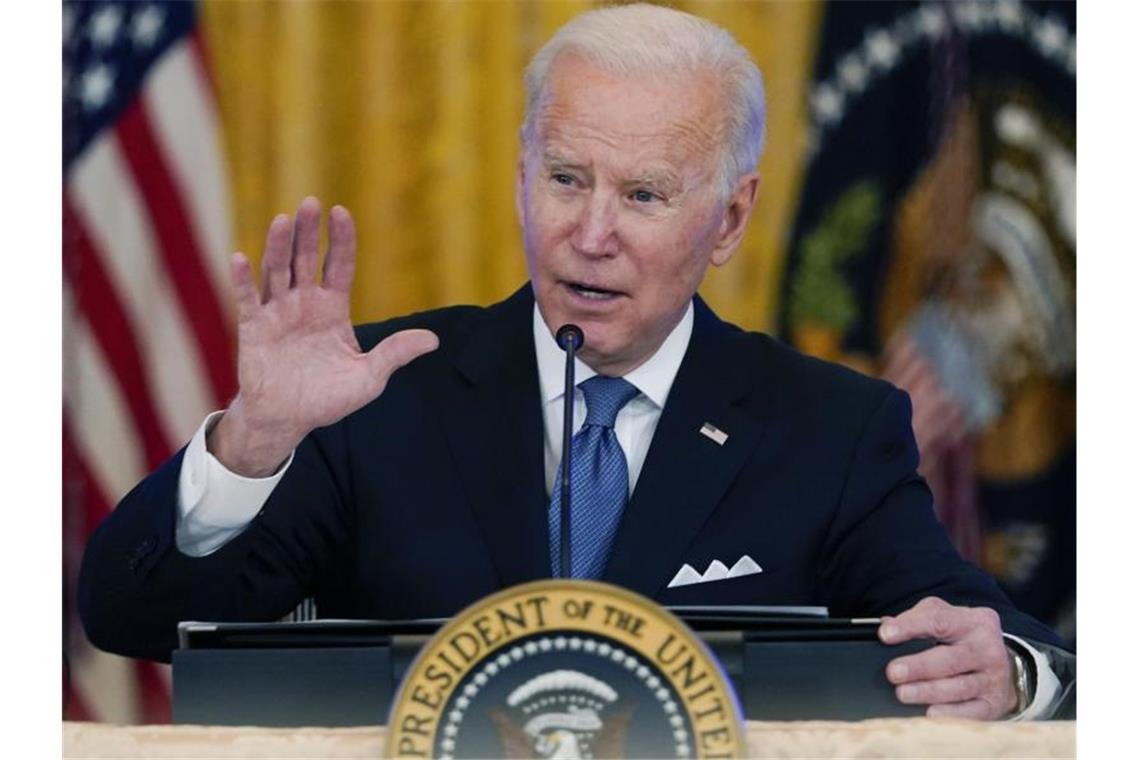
(716, 571)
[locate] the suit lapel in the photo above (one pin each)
(686, 473)
(494, 426)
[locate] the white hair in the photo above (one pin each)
(636, 39)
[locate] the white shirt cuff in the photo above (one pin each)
(1048, 685)
(214, 504)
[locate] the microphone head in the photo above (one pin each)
(570, 336)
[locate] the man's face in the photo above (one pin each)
(618, 201)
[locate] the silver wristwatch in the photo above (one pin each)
(1022, 676)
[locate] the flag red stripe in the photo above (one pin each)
(96, 301)
(154, 696)
(179, 249)
(75, 706)
(85, 505)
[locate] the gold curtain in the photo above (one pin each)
(407, 113)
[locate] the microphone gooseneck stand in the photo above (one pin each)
(570, 338)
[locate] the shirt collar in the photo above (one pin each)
(654, 377)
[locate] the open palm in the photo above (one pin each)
(299, 364)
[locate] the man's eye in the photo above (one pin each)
(642, 196)
(563, 179)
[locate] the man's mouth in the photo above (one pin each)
(593, 292)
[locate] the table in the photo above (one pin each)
(882, 738)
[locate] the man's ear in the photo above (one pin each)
(737, 212)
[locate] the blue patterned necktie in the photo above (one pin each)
(599, 485)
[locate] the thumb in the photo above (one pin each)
(400, 348)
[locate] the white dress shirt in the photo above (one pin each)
(636, 421)
(215, 505)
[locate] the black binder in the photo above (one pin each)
(345, 672)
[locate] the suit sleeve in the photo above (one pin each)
(885, 549)
(135, 585)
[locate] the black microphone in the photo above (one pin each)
(570, 338)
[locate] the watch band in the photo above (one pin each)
(1021, 680)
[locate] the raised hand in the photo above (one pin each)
(299, 364)
(967, 674)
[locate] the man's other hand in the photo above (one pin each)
(299, 365)
(967, 674)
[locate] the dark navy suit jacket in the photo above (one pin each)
(433, 495)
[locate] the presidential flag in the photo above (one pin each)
(935, 245)
(148, 335)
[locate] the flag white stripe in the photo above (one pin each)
(99, 417)
(164, 674)
(181, 109)
(108, 204)
(107, 684)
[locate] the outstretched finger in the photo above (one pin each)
(275, 269)
(398, 349)
(245, 289)
(306, 241)
(340, 262)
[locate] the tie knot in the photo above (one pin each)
(605, 396)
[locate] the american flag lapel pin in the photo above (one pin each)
(714, 434)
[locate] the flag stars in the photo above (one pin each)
(828, 103)
(881, 49)
(1009, 15)
(988, 16)
(103, 28)
(968, 15)
(146, 25)
(930, 21)
(96, 86)
(1050, 36)
(853, 72)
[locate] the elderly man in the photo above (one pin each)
(411, 493)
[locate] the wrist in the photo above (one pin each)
(248, 448)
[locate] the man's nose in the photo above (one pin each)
(596, 230)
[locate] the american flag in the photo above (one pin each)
(148, 337)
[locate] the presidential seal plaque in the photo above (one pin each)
(566, 669)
